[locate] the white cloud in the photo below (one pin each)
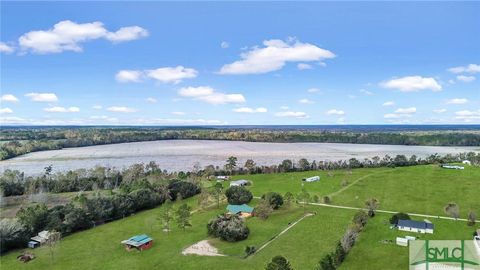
(58, 109)
(335, 112)
(5, 48)
(468, 116)
(8, 98)
(306, 101)
(5, 110)
(121, 109)
(472, 68)
(313, 90)
(299, 115)
(274, 55)
(388, 103)
(127, 34)
(178, 113)
(68, 36)
(406, 110)
(439, 110)
(128, 76)
(396, 115)
(209, 95)
(464, 78)
(457, 101)
(365, 92)
(224, 45)
(303, 66)
(171, 74)
(104, 118)
(42, 97)
(97, 107)
(170, 121)
(151, 100)
(250, 110)
(412, 84)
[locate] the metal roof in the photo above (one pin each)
(239, 208)
(415, 224)
(137, 240)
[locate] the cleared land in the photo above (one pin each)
(176, 155)
(304, 244)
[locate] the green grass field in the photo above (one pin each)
(421, 189)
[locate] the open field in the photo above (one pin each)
(176, 155)
(419, 189)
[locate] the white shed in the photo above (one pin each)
(239, 183)
(402, 241)
(467, 162)
(312, 179)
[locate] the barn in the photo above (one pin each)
(415, 226)
(139, 242)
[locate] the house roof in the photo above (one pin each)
(137, 240)
(415, 224)
(232, 208)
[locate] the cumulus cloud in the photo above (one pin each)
(388, 103)
(128, 76)
(306, 101)
(335, 112)
(250, 110)
(365, 92)
(68, 36)
(8, 98)
(151, 100)
(5, 48)
(58, 109)
(42, 97)
(464, 78)
(104, 118)
(274, 55)
(121, 109)
(457, 101)
(412, 84)
(303, 66)
(293, 114)
(406, 110)
(174, 121)
(5, 110)
(224, 45)
(471, 68)
(171, 74)
(439, 110)
(210, 95)
(396, 115)
(313, 90)
(468, 116)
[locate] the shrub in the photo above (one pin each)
(34, 218)
(279, 263)
(13, 234)
(360, 219)
(274, 199)
(182, 188)
(144, 199)
(238, 195)
(396, 217)
(229, 228)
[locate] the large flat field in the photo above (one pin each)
(421, 189)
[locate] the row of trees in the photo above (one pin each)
(25, 140)
(85, 212)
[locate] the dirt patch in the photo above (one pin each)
(202, 248)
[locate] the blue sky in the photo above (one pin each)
(160, 63)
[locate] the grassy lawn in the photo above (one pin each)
(370, 253)
(419, 189)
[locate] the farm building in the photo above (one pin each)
(239, 183)
(403, 241)
(415, 226)
(312, 179)
(242, 210)
(39, 240)
(467, 162)
(223, 177)
(140, 242)
(455, 167)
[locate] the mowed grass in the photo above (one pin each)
(100, 248)
(370, 252)
(418, 189)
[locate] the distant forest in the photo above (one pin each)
(16, 141)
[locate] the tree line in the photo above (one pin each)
(18, 141)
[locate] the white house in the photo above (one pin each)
(415, 226)
(455, 167)
(312, 179)
(467, 162)
(239, 183)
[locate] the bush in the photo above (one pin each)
(182, 188)
(12, 234)
(274, 199)
(76, 219)
(229, 228)
(33, 218)
(360, 219)
(144, 199)
(238, 195)
(396, 217)
(279, 263)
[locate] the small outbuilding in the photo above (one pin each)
(139, 242)
(467, 162)
(39, 239)
(402, 241)
(243, 210)
(454, 167)
(415, 226)
(311, 179)
(239, 183)
(223, 177)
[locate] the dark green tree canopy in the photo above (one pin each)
(238, 195)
